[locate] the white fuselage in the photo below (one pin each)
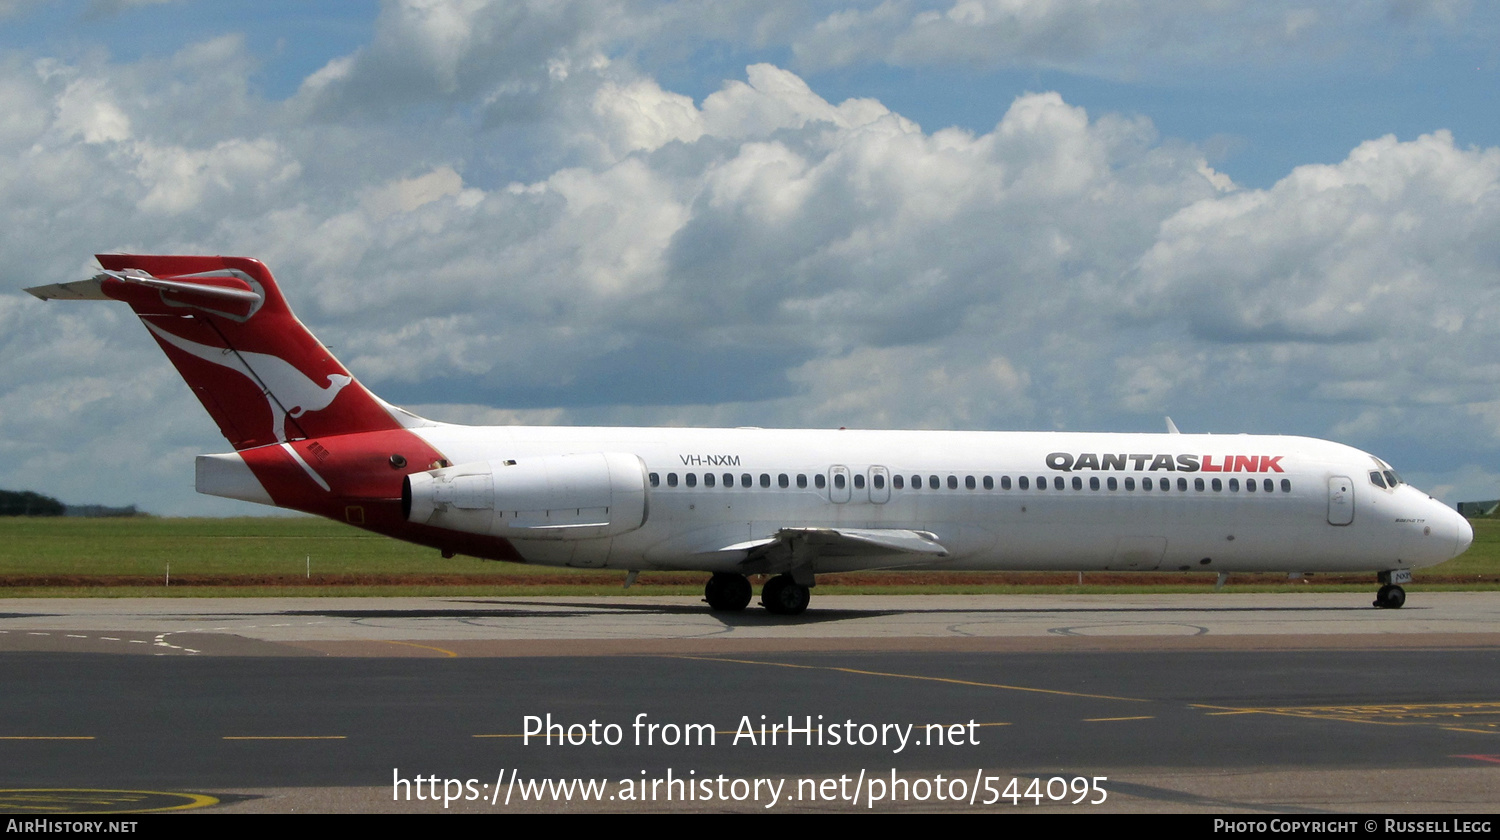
(1003, 500)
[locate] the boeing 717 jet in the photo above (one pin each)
(786, 503)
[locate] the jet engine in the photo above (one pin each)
(542, 497)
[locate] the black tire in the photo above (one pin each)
(1390, 597)
(727, 592)
(783, 596)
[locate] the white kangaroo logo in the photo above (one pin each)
(285, 385)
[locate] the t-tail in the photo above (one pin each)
(306, 434)
(226, 327)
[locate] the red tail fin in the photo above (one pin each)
(224, 324)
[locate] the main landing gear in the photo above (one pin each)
(1391, 596)
(781, 595)
(727, 592)
(784, 596)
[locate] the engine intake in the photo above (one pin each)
(543, 497)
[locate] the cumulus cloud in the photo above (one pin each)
(761, 255)
(1392, 248)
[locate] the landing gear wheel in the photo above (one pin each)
(783, 596)
(727, 592)
(1390, 597)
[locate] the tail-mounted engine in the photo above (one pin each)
(545, 497)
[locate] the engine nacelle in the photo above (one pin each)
(541, 497)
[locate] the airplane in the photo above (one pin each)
(789, 504)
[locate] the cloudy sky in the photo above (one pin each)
(1253, 216)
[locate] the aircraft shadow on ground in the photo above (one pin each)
(751, 617)
(754, 616)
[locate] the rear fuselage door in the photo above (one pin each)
(1340, 500)
(838, 484)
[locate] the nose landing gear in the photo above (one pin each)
(1391, 596)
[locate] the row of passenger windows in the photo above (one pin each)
(899, 482)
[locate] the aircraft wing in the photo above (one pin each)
(790, 548)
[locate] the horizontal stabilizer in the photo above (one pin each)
(77, 290)
(233, 294)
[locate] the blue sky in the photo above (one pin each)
(1261, 217)
(1405, 68)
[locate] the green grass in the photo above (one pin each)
(246, 546)
(61, 557)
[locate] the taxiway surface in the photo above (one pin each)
(1213, 702)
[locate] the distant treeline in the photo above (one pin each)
(27, 503)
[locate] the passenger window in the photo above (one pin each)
(765, 479)
(801, 481)
(708, 479)
(989, 482)
(838, 481)
(1023, 483)
(819, 481)
(1130, 484)
(1268, 486)
(655, 480)
(1286, 485)
(1182, 484)
(1249, 485)
(1078, 482)
(1093, 482)
(728, 479)
(879, 481)
(859, 481)
(783, 481)
(1113, 484)
(1197, 483)
(745, 480)
(1218, 485)
(932, 481)
(898, 482)
(916, 482)
(952, 482)
(1057, 482)
(1005, 482)
(1234, 485)
(969, 482)
(691, 479)
(671, 479)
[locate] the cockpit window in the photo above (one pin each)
(1391, 478)
(1376, 478)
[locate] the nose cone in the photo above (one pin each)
(1434, 532)
(1465, 535)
